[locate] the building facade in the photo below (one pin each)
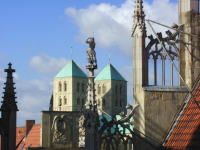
(159, 104)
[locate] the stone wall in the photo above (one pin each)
(111, 96)
(59, 129)
(71, 93)
(155, 114)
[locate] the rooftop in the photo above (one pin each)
(185, 129)
(71, 70)
(32, 139)
(109, 73)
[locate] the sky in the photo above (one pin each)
(37, 36)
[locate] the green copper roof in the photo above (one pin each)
(71, 70)
(109, 73)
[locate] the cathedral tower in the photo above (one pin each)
(70, 85)
(111, 91)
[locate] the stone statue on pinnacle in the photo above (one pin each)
(90, 51)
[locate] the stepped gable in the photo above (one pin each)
(185, 128)
(71, 70)
(109, 73)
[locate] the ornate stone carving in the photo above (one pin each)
(129, 115)
(81, 131)
(139, 18)
(58, 129)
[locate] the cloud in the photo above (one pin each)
(32, 96)
(44, 64)
(112, 25)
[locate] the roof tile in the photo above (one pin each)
(186, 129)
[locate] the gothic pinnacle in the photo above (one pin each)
(9, 94)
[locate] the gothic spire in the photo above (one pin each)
(9, 94)
(139, 17)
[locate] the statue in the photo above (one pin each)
(90, 51)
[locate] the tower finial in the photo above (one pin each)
(139, 17)
(71, 52)
(109, 56)
(9, 94)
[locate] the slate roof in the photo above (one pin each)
(184, 132)
(71, 70)
(109, 73)
(32, 139)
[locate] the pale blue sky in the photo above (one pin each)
(37, 36)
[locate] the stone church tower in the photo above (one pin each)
(159, 104)
(111, 91)
(8, 113)
(70, 88)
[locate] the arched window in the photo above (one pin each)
(99, 89)
(65, 86)
(120, 89)
(65, 101)
(116, 103)
(60, 101)
(60, 87)
(104, 89)
(120, 103)
(83, 86)
(78, 101)
(78, 87)
(104, 102)
(116, 89)
(83, 101)
(99, 103)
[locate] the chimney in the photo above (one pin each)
(29, 125)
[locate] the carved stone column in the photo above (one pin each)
(91, 115)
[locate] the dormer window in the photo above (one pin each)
(60, 87)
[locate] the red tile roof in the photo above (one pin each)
(32, 139)
(20, 133)
(184, 132)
